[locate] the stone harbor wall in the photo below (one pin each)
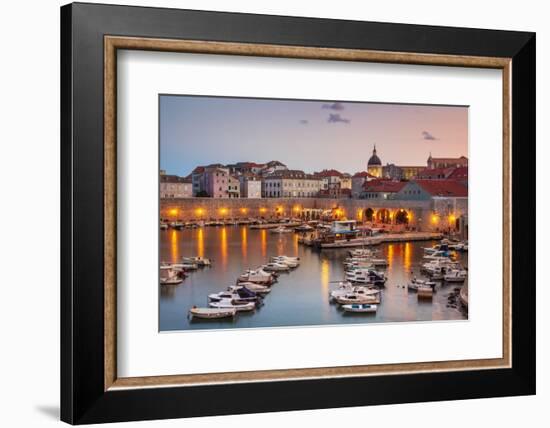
(426, 215)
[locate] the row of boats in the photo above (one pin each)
(175, 273)
(249, 291)
(255, 223)
(439, 266)
(360, 292)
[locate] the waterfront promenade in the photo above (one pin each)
(419, 212)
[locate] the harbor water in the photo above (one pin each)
(300, 297)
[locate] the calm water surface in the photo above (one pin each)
(301, 296)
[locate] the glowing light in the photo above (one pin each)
(263, 237)
(200, 242)
(244, 242)
(199, 211)
(173, 212)
(263, 210)
(174, 246)
(244, 210)
(223, 211)
(297, 208)
(452, 218)
(434, 218)
(223, 245)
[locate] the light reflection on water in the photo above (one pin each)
(301, 296)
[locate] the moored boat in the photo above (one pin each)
(198, 260)
(274, 266)
(364, 308)
(455, 275)
(212, 313)
(229, 303)
(415, 284)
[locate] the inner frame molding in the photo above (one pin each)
(113, 43)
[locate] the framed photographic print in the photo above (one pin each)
(273, 213)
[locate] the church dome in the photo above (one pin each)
(374, 159)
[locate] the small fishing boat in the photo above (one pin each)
(416, 283)
(241, 294)
(229, 303)
(256, 288)
(364, 308)
(456, 275)
(460, 246)
(361, 252)
(439, 254)
(164, 226)
(273, 266)
(199, 261)
(289, 261)
(281, 229)
(435, 248)
(348, 288)
(366, 276)
(212, 313)
(177, 225)
(175, 280)
(304, 228)
(258, 276)
(170, 276)
(352, 298)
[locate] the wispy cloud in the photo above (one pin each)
(304, 121)
(334, 106)
(428, 136)
(336, 118)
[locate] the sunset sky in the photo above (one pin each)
(306, 135)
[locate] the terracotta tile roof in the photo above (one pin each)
(434, 173)
(173, 179)
(460, 159)
(451, 188)
(459, 173)
(198, 170)
(385, 186)
(328, 173)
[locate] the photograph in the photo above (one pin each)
(291, 212)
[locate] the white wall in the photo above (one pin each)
(29, 232)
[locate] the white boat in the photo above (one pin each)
(258, 276)
(348, 288)
(352, 298)
(436, 267)
(199, 261)
(170, 276)
(418, 283)
(366, 276)
(281, 229)
(360, 308)
(304, 228)
(361, 252)
(460, 246)
(171, 281)
(290, 262)
(456, 275)
(256, 288)
(437, 255)
(178, 225)
(164, 226)
(277, 267)
(212, 313)
(239, 306)
(235, 296)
